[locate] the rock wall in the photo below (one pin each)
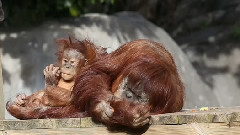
(208, 31)
(27, 51)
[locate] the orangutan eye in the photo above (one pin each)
(140, 99)
(65, 60)
(129, 94)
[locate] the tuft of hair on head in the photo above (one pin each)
(86, 47)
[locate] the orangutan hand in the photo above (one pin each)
(21, 99)
(51, 73)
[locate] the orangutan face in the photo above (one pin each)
(69, 64)
(131, 93)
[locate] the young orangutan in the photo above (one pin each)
(59, 80)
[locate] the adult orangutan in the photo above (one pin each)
(125, 87)
(59, 80)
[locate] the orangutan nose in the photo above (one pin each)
(68, 65)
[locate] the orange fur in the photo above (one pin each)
(145, 63)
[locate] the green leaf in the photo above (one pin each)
(74, 11)
(93, 1)
(112, 1)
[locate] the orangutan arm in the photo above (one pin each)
(92, 94)
(56, 96)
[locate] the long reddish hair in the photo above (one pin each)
(85, 47)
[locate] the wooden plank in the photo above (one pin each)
(2, 103)
(198, 129)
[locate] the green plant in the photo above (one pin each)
(30, 12)
(236, 32)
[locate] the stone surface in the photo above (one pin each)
(185, 129)
(209, 35)
(27, 51)
(1, 125)
(164, 119)
(192, 118)
(153, 130)
(44, 123)
(213, 115)
(88, 122)
(68, 123)
(17, 124)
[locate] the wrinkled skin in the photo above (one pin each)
(69, 64)
(135, 104)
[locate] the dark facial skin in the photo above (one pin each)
(128, 92)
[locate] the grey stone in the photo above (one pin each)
(184, 119)
(228, 116)
(163, 119)
(210, 38)
(225, 117)
(68, 123)
(195, 117)
(17, 124)
(1, 125)
(44, 123)
(237, 117)
(88, 122)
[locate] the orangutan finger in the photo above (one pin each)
(51, 67)
(55, 69)
(144, 122)
(142, 117)
(19, 101)
(46, 70)
(58, 72)
(24, 96)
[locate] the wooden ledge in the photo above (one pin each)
(212, 115)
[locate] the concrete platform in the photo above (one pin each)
(193, 121)
(185, 129)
